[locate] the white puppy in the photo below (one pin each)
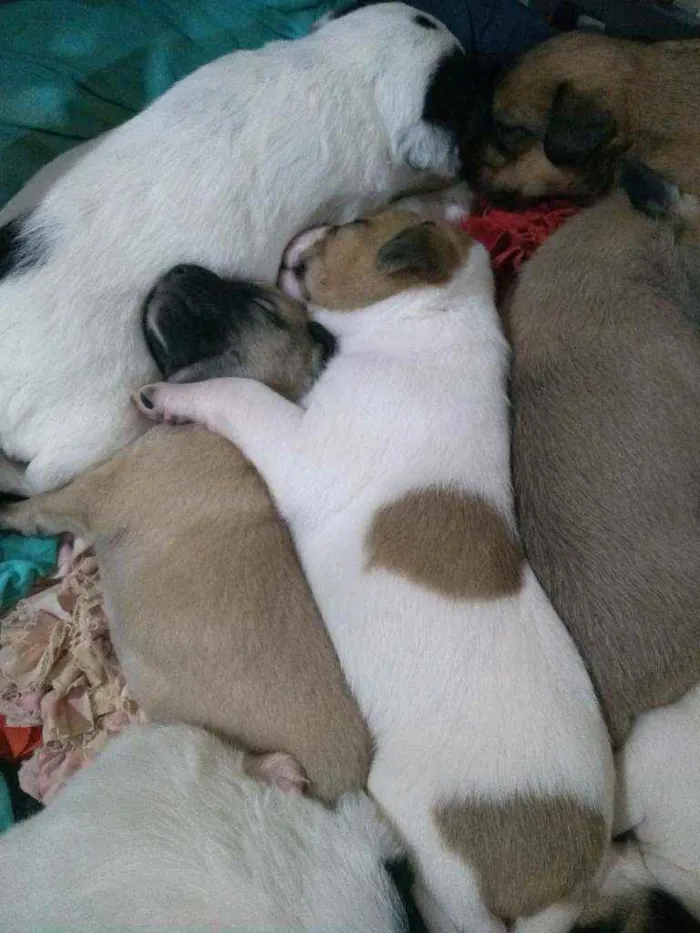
(659, 798)
(222, 171)
(164, 831)
(491, 755)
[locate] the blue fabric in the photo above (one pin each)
(72, 69)
(496, 30)
(22, 560)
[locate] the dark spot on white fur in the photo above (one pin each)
(458, 98)
(425, 22)
(20, 251)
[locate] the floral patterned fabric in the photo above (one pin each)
(58, 671)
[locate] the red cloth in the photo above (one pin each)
(17, 742)
(511, 237)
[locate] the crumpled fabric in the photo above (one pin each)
(58, 670)
(511, 237)
(22, 561)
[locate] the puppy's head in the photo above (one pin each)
(348, 267)
(431, 97)
(557, 123)
(199, 326)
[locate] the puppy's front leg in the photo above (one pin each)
(262, 424)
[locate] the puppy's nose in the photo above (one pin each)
(183, 268)
(300, 244)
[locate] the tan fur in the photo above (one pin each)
(212, 618)
(345, 269)
(455, 544)
(521, 849)
(606, 446)
(651, 90)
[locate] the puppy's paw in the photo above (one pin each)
(158, 402)
(277, 769)
(69, 551)
(451, 204)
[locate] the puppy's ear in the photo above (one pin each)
(647, 190)
(578, 127)
(419, 252)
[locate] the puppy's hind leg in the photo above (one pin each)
(262, 424)
(65, 510)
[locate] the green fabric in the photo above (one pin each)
(22, 560)
(6, 814)
(71, 69)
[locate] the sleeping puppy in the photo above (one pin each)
(606, 415)
(568, 108)
(492, 759)
(165, 831)
(222, 171)
(210, 615)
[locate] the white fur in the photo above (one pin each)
(481, 699)
(659, 797)
(165, 833)
(222, 170)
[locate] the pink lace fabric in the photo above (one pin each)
(58, 670)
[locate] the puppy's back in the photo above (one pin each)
(606, 388)
(212, 617)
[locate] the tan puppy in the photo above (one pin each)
(211, 616)
(569, 107)
(606, 456)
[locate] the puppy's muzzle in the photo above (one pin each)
(292, 275)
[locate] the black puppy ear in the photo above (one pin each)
(647, 190)
(577, 128)
(420, 251)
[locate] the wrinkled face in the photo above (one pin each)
(201, 326)
(553, 130)
(351, 266)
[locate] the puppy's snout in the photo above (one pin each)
(292, 277)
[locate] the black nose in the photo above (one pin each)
(184, 268)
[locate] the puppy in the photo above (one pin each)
(491, 759)
(165, 831)
(210, 614)
(606, 444)
(222, 171)
(567, 109)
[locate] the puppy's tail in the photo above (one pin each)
(653, 194)
(630, 900)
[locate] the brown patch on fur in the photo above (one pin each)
(366, 261)
(648, 93)
(527, 852)
(450, 541)
(606, 447)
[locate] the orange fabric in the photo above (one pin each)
(17, 742)
(511, 237)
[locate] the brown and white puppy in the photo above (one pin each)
(492, 759)
(211, 616)
(567, 109)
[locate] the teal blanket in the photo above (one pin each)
(71, 69)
